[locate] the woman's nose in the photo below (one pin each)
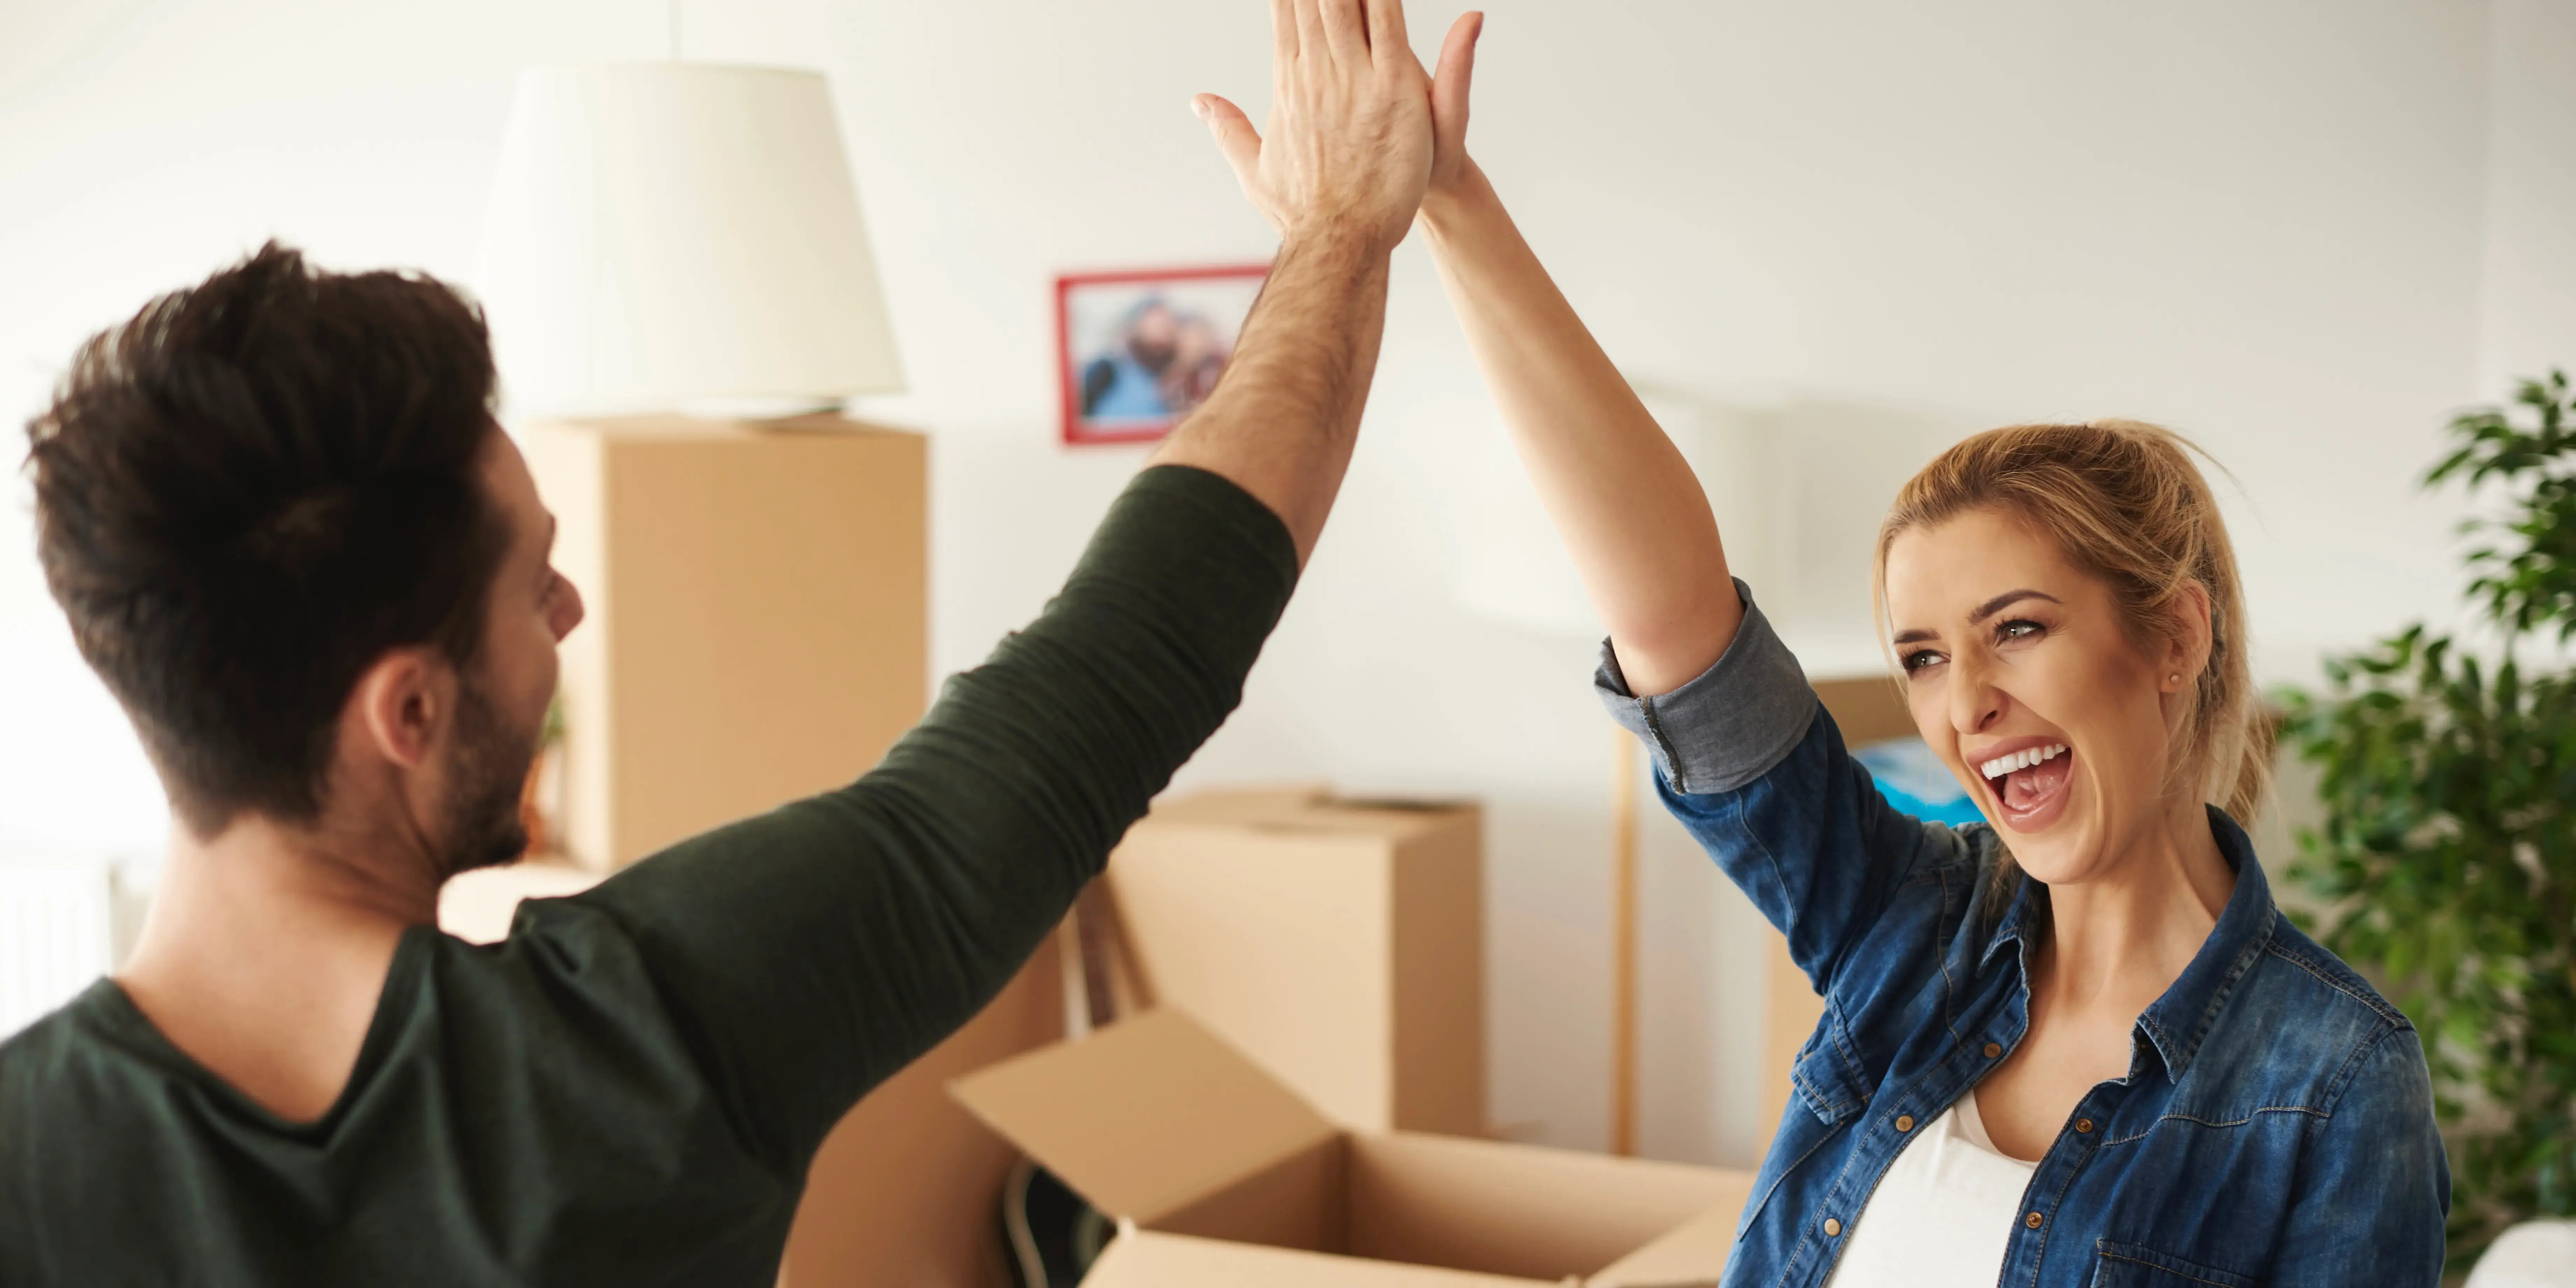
(1975, 703)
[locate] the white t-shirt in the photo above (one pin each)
(1942, 1215)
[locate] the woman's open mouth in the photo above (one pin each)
(2031, 785)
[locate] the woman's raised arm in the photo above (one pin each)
(1621, 494)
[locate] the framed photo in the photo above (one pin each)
(1138, 350)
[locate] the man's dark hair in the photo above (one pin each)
(250, 492)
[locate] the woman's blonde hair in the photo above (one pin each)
(2125, 502)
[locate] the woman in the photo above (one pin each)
(2074, 1044)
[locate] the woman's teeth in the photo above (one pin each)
(2002, 765)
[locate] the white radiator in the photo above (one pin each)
(58, 932)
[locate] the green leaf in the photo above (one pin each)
(2444, 856)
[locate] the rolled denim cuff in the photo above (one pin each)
(1729, 725)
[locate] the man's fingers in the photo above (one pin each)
(1311, 45)
(1345, 32)
(1283, 32)
(1235, 136)
(1387, 40)
(1450, 80)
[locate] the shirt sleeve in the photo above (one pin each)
(1749, 761)
(2374, 1187)
(807, 954)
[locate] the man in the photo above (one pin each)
(1127, 382)
(289, 536)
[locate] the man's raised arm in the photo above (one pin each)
(807, 954)
(1340, 176)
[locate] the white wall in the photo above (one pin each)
(2287, 228)
(2528, 324)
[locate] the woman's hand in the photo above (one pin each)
(1450, 167)
(1349, 148)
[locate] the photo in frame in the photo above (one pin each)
(1138, 350)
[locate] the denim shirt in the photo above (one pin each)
(2276, 1123)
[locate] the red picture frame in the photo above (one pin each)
(1111, 389)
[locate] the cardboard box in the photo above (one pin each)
(758, 625)
(907, 1189)
(1338, 942)
(1219, 1174)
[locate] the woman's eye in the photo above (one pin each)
(1920, 659)
(2020, 629)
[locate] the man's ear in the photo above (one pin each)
(402, 705)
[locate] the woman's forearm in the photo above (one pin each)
(1623, 497)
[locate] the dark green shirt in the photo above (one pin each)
(630, 1088)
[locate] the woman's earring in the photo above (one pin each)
(2175, 679)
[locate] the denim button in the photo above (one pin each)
(1905, 1122)
(2083, 1125)
(1994, 1049)
(2033, 1220)
(1832, 1227)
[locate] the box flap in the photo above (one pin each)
(1312, 809)
(1511, 1209)
(1144, 1259)
(1693, 1255)
(1146, 1116)
(1238, 804)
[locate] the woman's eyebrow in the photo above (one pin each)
(2007, 599)
(1985, 610)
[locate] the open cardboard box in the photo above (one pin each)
(1219, 1174)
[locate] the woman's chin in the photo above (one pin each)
(2054, 842)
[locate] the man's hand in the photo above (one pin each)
(1349, 148)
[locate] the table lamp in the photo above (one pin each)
(679, 237)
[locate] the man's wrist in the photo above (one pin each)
(1337, 238)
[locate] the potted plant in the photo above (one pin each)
(2446, 860)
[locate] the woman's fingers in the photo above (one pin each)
(1387, 40)
(1450, 81)
(1235, 137)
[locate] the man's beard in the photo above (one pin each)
(1154, 356)
(486, 774)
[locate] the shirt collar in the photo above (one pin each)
(2176, 1021)
(2016, 924)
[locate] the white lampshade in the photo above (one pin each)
(668, 236)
